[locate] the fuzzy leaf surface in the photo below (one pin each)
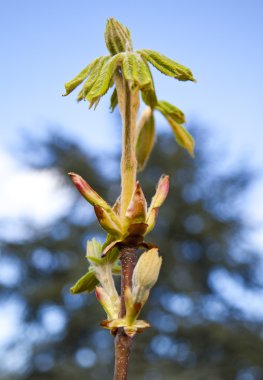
(104, 79)
(92, 78)
(71, 85)
(169, 110)
(167, 66)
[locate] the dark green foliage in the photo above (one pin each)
(194, 334)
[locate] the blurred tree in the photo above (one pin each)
(198, 331)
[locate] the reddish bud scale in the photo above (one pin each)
(137, 208)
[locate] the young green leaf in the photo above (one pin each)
(86, 283)
(145, 138)
(101, 61)
(169, 110)
(103, 82)
(71, 85)
(182, 136)
(167, 66)
(135, 71)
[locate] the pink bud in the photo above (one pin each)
(86, 191)
(161, 192)
(93, 198)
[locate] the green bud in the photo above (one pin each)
(117, 37)
(145, 274)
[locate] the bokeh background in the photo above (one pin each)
(207, 310)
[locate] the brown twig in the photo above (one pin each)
(123, 342)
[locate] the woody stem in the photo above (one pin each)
(123, 342)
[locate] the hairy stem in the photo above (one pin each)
(129, 104)
(123, 342)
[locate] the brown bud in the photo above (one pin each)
(137, 208)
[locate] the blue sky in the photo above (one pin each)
(45, 44)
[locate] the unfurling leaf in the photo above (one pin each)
(92, 78)
(145, 138)
(86, 283)
(71, 85)
(167, 66)
(117, 37)
(175, 118)
(182, 136)
(169, 110)
(104, 79)
(136, 72)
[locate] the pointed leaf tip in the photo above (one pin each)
(87, 192)
(167, 66)
(182, 136)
